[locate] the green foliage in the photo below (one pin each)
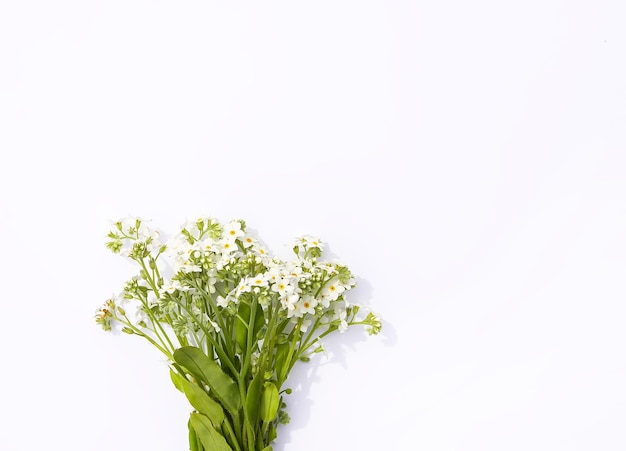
(207, 371)
(269, 403)
(209, 437)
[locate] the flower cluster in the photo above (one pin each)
(214, 298)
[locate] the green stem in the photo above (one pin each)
(139, 332)
(224, 358)
(156, 293)
(233, 437)
(290, 360)
(218, 314)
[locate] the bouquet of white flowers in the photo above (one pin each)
(231, 319)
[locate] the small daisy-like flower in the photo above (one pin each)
(223, 301)
(311, 241)
(307, 304)
(232, 231)
(292, 269)
(207, 245)
(289, 303)
(227, 246)
(243, 287)
(273, 274)
(258, 281)
(172, 286)
(332, 290)
(247, 241)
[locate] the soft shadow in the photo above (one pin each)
(337, 346)
(388, 333)
(304, 375)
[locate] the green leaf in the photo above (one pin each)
(208, 371)
(271, 434)
(267, 448)
(203, 403)
(209, 437)
(269, 402)
(193, 438)
(242, 323)
(253, 398)
(282, 352)
(176, 380)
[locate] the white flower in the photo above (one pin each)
(311, 241)
(243, 287)
(259, 281)
(222, 301)
(289, 303)
(340, 315)
(292, 269)
(206, 246)
(227, 246)
(283, 287)
(211, 285)
(273, 274)
(188, 267)
(215, 325)
(305, 325)
(172, 286)
(332, 290)
(307, 304)
(232, 231)
(308, 241)
(247, 241)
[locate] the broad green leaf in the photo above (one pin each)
(176, 380)
(203, 403)
(209, 437)
(253, 398)
(269, 402)
(208, 371)
(267, 448)
(193, 438)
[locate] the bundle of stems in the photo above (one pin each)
(231, 319)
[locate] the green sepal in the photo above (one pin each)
(269, 402)
(208, 435)
(208, 371)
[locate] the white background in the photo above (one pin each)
(467, 160)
